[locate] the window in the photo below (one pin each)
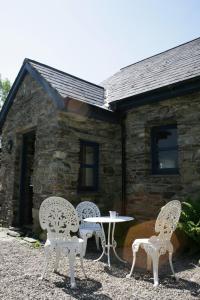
(164, 149)
(89, 160)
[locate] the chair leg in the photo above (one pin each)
(148, 262)
(47, 255)
(72, 271)
(85, 238)
(82, 266)
(81, 251)
(101, 235)
(45, 269)
(57, 259)
(171, 265)
(133, 265)
(97, 241)
(155, 259)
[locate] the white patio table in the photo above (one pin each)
(111, 243)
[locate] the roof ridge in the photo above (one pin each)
(160, 53)
(62, 72)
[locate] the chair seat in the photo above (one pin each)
(62, 243)
(154, 242)
(90, 228)
(141, 241)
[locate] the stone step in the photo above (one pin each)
(30, 240)
(14, 233)
(17, 229)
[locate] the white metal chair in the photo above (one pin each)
(158, 245)
(85, 210)
(59, 218)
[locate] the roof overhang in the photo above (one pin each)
(164, 93)
(91, 111)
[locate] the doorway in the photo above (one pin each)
(26, 179)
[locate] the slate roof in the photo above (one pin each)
(167, 68)
(64, 90)
(70, 86)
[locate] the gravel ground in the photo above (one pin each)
(21, 266)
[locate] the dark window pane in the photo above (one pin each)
(168, 159)
(89, 155)
(166, 138)
(87, 177)
(164, 149)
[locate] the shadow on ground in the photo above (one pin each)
(86, 289)
(170, 283)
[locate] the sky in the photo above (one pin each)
(92, 39)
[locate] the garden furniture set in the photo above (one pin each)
(60, 219)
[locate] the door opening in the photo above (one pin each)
(26, 179)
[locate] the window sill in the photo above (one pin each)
(87, 191)
(164, 174)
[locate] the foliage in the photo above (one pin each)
(190, 219)
(4, 90)
(37, 245)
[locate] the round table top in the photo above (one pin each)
(108, 219)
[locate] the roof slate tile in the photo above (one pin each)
(70, 86)
(169, 67)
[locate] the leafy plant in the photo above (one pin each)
(190, 219)
(37, 245)
(5, 85)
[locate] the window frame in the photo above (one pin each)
(155, 151)
(94, 166)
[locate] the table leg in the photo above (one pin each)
(111, 243)
(114, 245)
(108, 244)
(103, 246)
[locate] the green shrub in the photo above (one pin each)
(190, 219)
(37, 245)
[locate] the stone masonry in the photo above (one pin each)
(57, 150)
(31, 109)
(57, 154)
(146, 193)
(73, 128)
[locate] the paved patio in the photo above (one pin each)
(21, 265)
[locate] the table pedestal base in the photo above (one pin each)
(111, 243)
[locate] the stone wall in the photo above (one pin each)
(57, 154)
(31, 109)
(73, 128)
(146, 193)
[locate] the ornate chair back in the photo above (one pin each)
(85, 210)
(167, 220)
(59, 218)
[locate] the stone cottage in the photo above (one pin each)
(131, 143)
